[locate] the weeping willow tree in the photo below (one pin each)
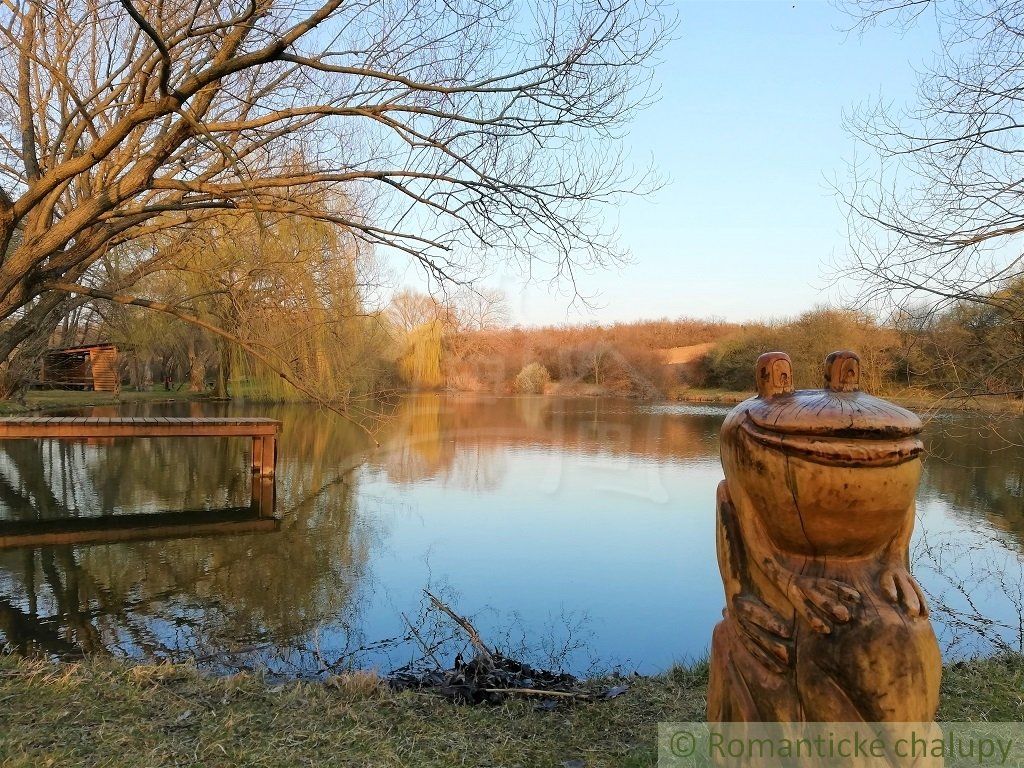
(421, 326)
(419, 364)
(435, 337)
(304, 303)
(343, 360)
(152, 346)
(275, 307)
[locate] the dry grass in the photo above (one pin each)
(685, 355)
(360, 683)
(105, 713)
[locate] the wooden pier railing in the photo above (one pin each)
(263, 433)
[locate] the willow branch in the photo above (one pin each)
(279, 368)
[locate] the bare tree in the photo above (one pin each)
(409, 309)
(481, 309)
(936, 212)
(452, 131)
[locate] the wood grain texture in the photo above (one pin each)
(823, 620)
(37, 427)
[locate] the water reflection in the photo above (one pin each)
(146, 527)
(571, 519)
(978, 469)
(174, 597)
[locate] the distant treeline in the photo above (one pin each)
(345, 349)
(962, 351)
(625, 358)
(807, 339)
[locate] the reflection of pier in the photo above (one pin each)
(255, 518)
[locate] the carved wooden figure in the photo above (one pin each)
(823, 621)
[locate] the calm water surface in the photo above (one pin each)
(577, 532)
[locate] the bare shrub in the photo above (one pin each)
(531, 380)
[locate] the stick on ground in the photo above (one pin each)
(474, 636)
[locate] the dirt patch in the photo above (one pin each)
(685, 355)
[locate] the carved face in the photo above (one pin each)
(828, 472)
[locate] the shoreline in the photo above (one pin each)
(913, 399)
(104, 711)
(43, 401)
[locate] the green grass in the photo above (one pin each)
(984, 689)
(54, 399)
(707, 395)
(104, 712)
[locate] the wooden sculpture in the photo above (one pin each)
(823, 621)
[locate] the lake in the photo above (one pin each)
(578, 533)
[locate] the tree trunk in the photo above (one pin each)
(223, 371)
(23, 343)
(10, 382)
(196, 369)
(38, 320)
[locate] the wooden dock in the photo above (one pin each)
(262, 431)
(257, 517)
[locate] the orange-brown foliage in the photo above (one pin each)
(624, 358)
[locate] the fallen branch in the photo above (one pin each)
(536, 692)
(474, 636)
(489, 676)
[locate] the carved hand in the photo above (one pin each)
(902, 589)
(822, 602)
(763, 632)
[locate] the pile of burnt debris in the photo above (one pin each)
(489, 677)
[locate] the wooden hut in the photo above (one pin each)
(91, 366)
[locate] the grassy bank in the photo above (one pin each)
(57, 399)
(915, 399)
(103, 712)
(706, 395)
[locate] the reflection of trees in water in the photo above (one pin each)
(153, 599)
(159, 598)
(304, 584)
(462, 441)
(975, 590)
(415, 445)
(974, 579)
(974, 468)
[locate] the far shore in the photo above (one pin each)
(51, 400)
(914, 399)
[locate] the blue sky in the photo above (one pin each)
(749, 132)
